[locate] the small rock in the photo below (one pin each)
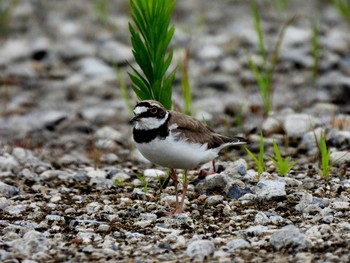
(270, 187)
(340, 139)
(256, 230)
(8, 162)
(8, 190)
(114, 52)
(213, 182)
(108, 133)
(340, 205)
(210, 52)
(289, 237)
(214, 200)
(155, 173)
(295, 125)
(237, 243)
(236, 169)
(340, 158)
(200, 249)
(271, 126)
(93, 67)
(236, 191)
(308, 141)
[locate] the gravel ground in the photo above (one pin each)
(73, 188)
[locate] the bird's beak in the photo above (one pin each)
(135, 118)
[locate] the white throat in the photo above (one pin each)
(150, 122)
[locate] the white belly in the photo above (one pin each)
(176, 154)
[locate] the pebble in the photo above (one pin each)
(214, 200)
(295, 125)
(93, 67)
(340, 158)
(153, 173)
(237, 243)
(236, 169)
(270, 187)
(8, 162)
(289, 237)
(8, 191)
(340, 206)
(108, 133)
(200, 249)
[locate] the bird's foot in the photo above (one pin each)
(176, 211)
(203, 173)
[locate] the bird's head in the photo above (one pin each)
(149, 114)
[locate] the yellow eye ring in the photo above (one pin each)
(153, 110)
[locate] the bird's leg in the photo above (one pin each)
(184, 191)
(179, 207)
(174, 177)
(214, 169)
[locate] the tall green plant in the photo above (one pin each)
(343, 7)
(316, 51)
(283, 165)
(150, 37)
(264, 76)
(259, 161)
(185, 84)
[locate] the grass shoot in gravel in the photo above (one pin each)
(151, 34)
(185, 84)
(283, 165)
(316, 51)
(264, 76)
(123, 89)
(343, 7)
(259, 161)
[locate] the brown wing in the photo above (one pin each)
(195, 131)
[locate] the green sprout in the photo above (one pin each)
(119, 182)
(123, 88)
(150, 38)
(283, 165)
(144, 182)
(101, 8)
(343, 7)
(259, 161)
(264, 76)
(185, 84)
(316, 52)
(326, 164)
(6, 8)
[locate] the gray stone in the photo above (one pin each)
(340, 158)
(8, 162)
(271, 126)
(200, 249)
(295, 125)
(236, 191)
(154, 173)
(108, 133)
(340, 205)
(289, 237)
(214, 200)
(237, 169)
(213, 182)
(308, 142)
(270, 187)
(340, 138)
(237, 243)
(115, 52)
(93, 67)
(8, 190)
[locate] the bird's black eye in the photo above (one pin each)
(153, 110)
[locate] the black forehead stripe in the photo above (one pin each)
(143, 103)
